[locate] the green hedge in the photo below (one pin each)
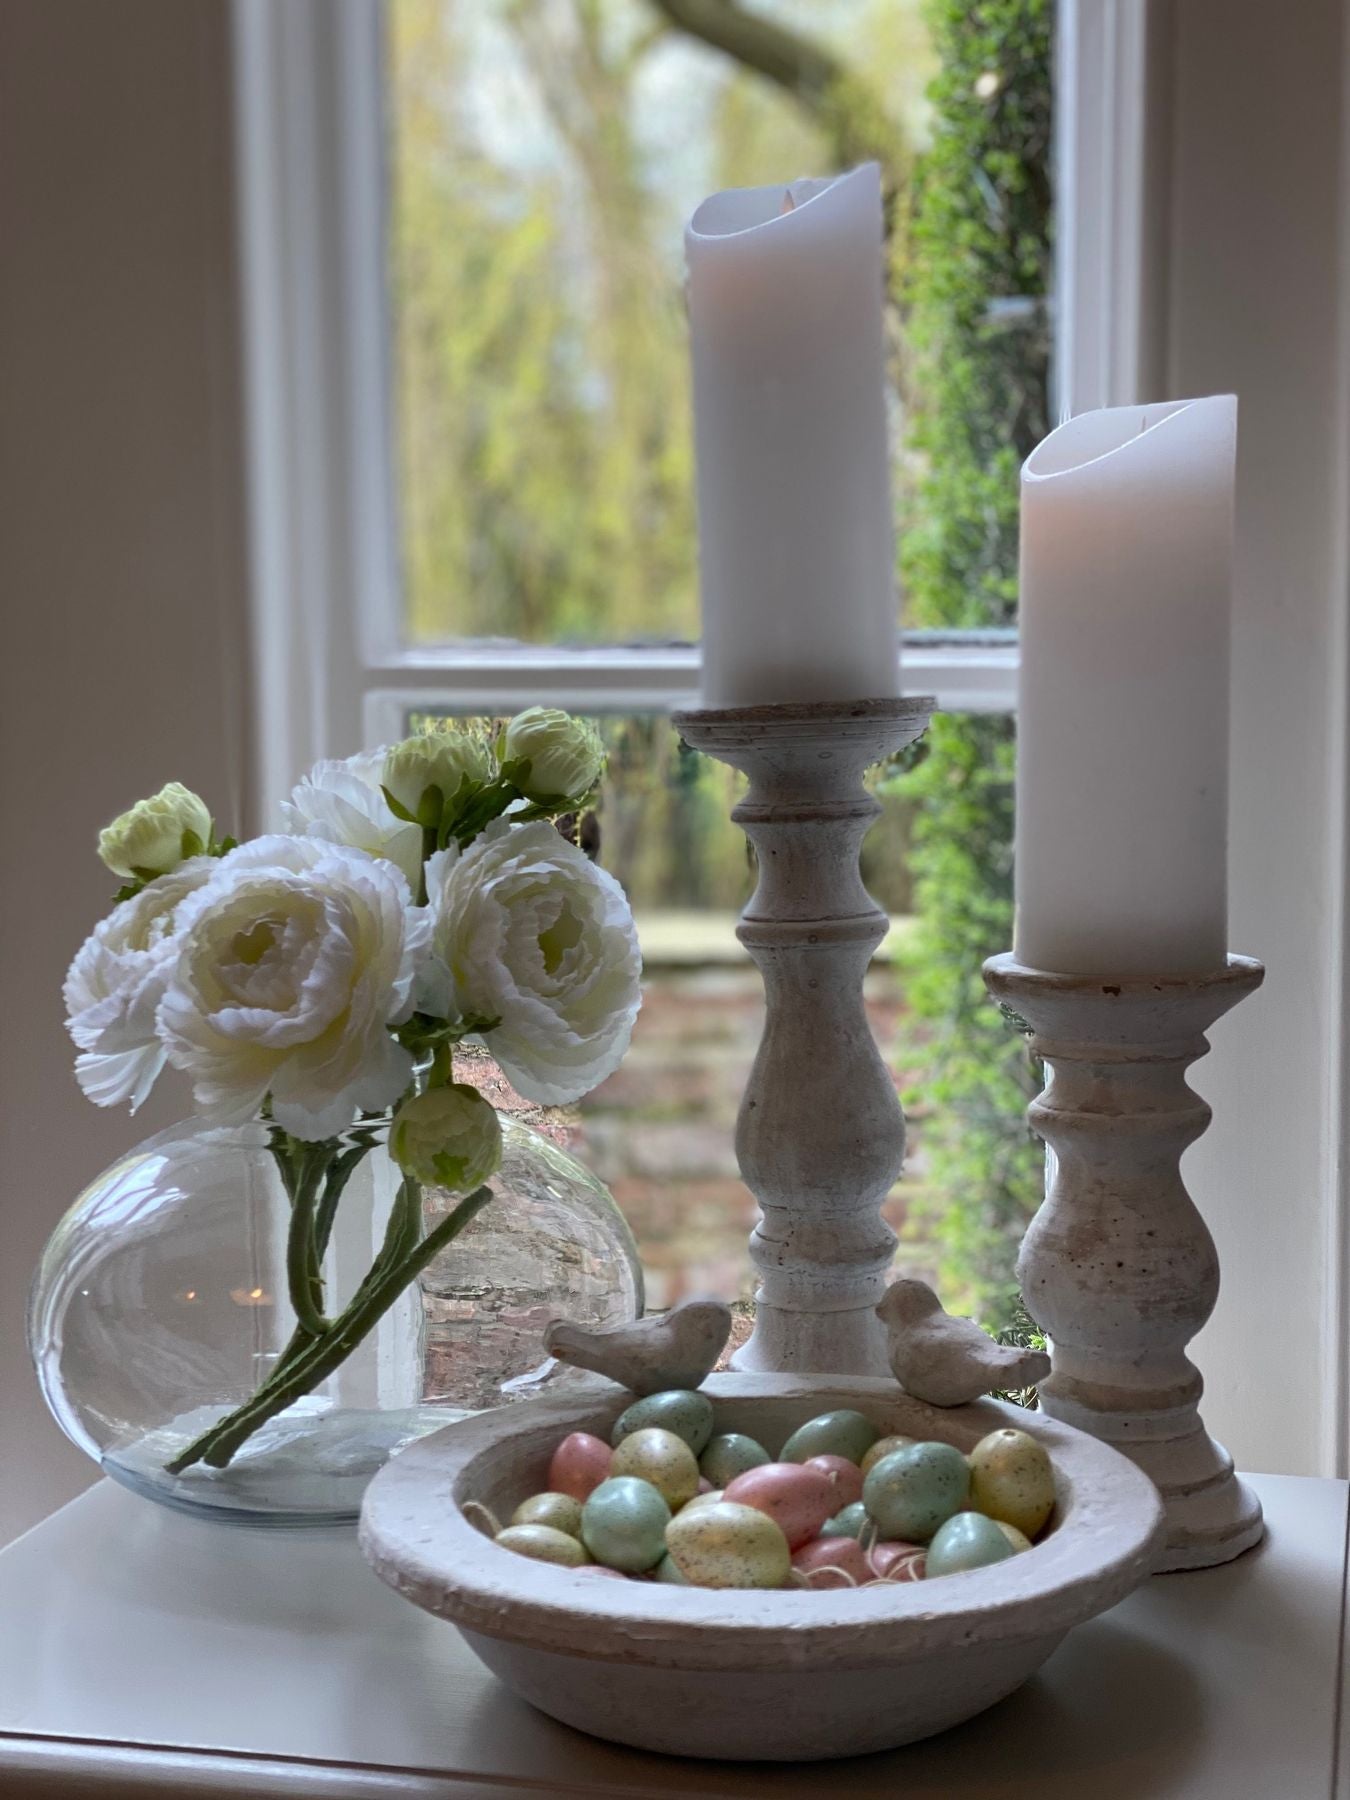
(973, 274)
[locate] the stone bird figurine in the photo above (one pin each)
(675, 1349)
(948, 1361)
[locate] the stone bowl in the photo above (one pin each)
(762, 1676)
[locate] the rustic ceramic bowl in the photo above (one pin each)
(773, 1676)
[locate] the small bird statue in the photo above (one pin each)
(948, 1361)
(675, 1349)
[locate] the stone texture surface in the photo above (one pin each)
(1118, 1266)
(754, 1675)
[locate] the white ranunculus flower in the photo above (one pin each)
(557, 757)
(341, 803)
(448, 1137)
(148, 839)
(527, 930)
(293, 960)
(116, 982)
(445, 760)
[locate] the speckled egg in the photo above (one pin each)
(1011, 1479)
(579, 1464)
(898, 1562)
(832, 1562)
(623, 1524)
(663, 1459)
(883, 1447)
(797, 1498)
(600, 1569)
(543, 1544)
(912, 1491)
(668, 1570)
(561, 1511)
(841, 1433)
(729, 1546)
(848, 1522)
(845, 1478)
(711, 1498)
(730, 1454)
(1018, 1539)
(968, 1540)
(684, 1411)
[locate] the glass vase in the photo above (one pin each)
(160, 1304)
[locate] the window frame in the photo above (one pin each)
(330, 672)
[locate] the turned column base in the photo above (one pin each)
(1212, 1515)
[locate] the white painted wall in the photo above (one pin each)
(1256, 305)
(122, 656)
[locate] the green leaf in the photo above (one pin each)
(398, 809)
(191, 845)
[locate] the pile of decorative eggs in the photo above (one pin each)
(670, 1500)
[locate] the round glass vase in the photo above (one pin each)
(160, 1305)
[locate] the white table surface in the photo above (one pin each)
(146, 1654)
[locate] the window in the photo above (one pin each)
(497, 256)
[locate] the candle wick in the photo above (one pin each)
(789, 204)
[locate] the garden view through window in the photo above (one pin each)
(542, 160)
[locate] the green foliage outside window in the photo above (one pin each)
(973, 277)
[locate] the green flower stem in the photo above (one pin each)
(302, 1260)
(327, 1352)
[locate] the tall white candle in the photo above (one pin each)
(796, 547)
(1122, 776)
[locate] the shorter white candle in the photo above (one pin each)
(796, 539)
(1122, 726)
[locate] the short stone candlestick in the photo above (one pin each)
(1118, 1266)
(821, 1135)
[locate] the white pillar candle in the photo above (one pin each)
(1122, 726)
(796, 547)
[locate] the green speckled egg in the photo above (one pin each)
(841, 1433)
(543, 1544)
(883, 1447)
(684, 1411)
(623, 1524)
(912, 1491)
(966, 1541)
(1011, 1479)
(847, 1522)
(729, 1546)
(560, 1511)
(728, 1455)
(668, 1570)
(663, 1459)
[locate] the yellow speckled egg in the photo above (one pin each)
(883, 1447)
(543, 1544)
(1011, 1479)
(660, 1457)
(709, 1499)
(560, 1511)
(728, 1546)
(1018, 1539)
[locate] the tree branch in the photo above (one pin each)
(843, 105)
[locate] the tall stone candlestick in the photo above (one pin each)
(1118, 1266)
(821, 1135)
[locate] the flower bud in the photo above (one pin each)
(448, 1138)
(157, 834)
(550, 755)
(445, 760)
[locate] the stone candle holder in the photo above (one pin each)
(821, 1135)
(1118, 1266)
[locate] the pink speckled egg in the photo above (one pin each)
(896, 1561)
(829, 1562)
(795, 1496)
(579, 1464)
(845, 1475)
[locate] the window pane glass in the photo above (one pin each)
(660, 1131)
(543, 159)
